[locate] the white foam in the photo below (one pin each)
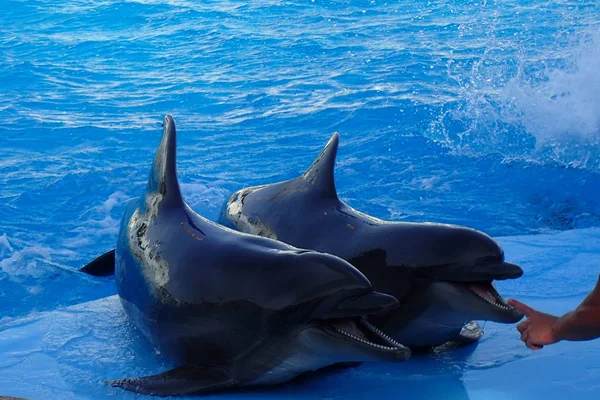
(5, 246)
(565, 101)
(25, 262)
(113, 200)
(205, 198)
(103, 223)
(507, 102)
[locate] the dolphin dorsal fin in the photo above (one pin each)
(321, 174)
(163, 175)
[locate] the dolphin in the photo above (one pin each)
(232, 309)
(442, 274)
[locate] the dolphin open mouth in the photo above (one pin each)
(487, 292)
(361, 331)
(478, 280)
(348, 324)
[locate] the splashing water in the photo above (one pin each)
(560, 108)
(540, 108)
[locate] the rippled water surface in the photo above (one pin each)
(481, 113)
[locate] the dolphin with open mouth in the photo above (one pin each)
(232, 309)
(443, 275)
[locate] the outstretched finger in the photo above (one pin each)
(525, 309)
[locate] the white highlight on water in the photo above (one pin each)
(566, 101)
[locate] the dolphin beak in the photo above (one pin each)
(365, 305)
(498, 271)
(478, 270)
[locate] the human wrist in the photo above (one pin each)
(561, 326)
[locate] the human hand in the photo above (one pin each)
(538, 329)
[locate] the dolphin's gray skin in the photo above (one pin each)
(441, 274)
(233, 309)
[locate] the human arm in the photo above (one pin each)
(541, 329)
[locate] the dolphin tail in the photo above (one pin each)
(177, 382)
(101, 266)
(321, 173)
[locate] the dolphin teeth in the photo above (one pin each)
(500, 303)
(394, 345)
(380, 333)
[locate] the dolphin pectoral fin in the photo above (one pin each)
(176, 382)
(101, 266)
(469, 334)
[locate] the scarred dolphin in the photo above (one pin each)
(442, 274)
(232, 309)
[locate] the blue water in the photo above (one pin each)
(481, 113)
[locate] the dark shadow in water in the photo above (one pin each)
(429, 376)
